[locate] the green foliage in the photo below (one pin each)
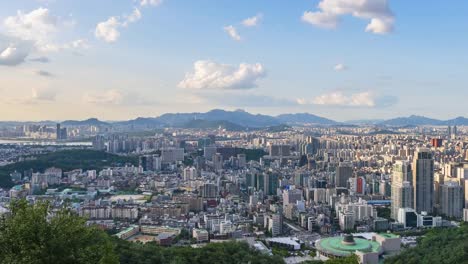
(184, 235)
(353, 259)
(384, 212)
(31, 235)
(28, 236)
(277, 251)
(439, 245)
(65, 160)
(223, 253)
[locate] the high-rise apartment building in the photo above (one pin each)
(423, 181)
(402, 191)
(451, 201)
(343, 173)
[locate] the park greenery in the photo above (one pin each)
(441, 245)
(66, 160)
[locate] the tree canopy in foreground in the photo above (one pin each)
(445, 246)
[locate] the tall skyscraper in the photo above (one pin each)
(343, 173)
(423, 181)
(402, 191)
(271, 183)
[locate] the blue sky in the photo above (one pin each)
(341, 59)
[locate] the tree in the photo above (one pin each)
(353, 259)
(440, 245)
(32, 234)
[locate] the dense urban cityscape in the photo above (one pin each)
(305, 192)
(233, 132)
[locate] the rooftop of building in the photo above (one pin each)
(336, 246)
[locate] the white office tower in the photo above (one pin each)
(253, 199)
(423, 181)
(346, 220)
(190, 173)
(275, 224)
(451, 200)
(402, 191)
(225, 227)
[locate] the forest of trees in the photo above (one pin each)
(441, 245)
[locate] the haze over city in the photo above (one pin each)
(344, 60)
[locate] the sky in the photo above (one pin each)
(340, 59)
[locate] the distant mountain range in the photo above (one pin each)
(87, 122)
(415, 120)
(242, 120)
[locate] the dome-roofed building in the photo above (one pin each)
(368, 251)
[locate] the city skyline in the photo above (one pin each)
(339, 59)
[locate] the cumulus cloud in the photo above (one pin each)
(80, 44)
(329, 13)
(13, 54)
(39, 28)
(36, 25)
(150, 2)
(232, 32)
(359, 99)
(133, 17)
(339, 98)
(340, 67)
(252, 21)
(211, 75)
(321, 19)
(108, 30)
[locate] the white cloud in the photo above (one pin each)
(37, 25)
(150, 2)
(80, 44)
(340, 67)
(232, 32)
(380, 26)
(338, 98)
(212, 75)
(107, 97)
(13, 55)
(133, 17)
(108, 30)
(320, 19)
(252, 21)
(329, 13)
